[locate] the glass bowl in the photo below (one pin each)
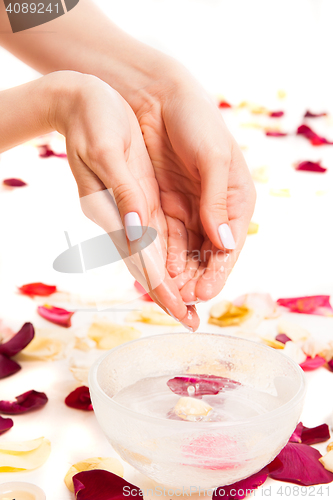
(202, 454)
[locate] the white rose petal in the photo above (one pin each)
(191, 408)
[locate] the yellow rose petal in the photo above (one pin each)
(253, 228)
(108, 335)
(191, 409)
(108, 464)
(330, 446)
(43, 348)
(227, 314)
(272, 343)
(327, 461)
(260, 174)
(282, 193)
(23, 455)
(292, 330)
(281, 94)
(152, 316)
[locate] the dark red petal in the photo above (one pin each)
(45, 152)
(314, 304)
(203, 384)
(308, 133)
(5, 424)
(14, 182)
(224, 104)
(56, 315)
(79, 399)
(312, 363)
(330, 365)
(275, 133)
(310, 166)
(141, 290)
(31, 400)
(282, 337)
(276, 114)
(310, 435)
(103, 485)
(300, 465)
(308, 114)
(8, 366)
(20, 340)
(241, 489)
(39, 289)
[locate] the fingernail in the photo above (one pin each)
(192, 303)
(133, 226)
(187, 327)
(172, 316)
(226, 237)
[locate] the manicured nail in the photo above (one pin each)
(192, 303)
(226, 237)
(172, 316)
(133, 226)
(188, 327)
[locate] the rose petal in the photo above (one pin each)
(275, 344)
(80, 399)
(152, 316)
(39, 289)
(294, 352)
(327, 461)
(313, 304)
(14, 182)
(224, 104)
(109, 335)
(22, 338)
(8, 366)
(253, 228)
(109, 464)
(24, 455)
(209, 451)
(308, 133)
(30, 400)
(191, 409)
(45, 152)
(281, 193)
(292, 330)
(312, 347)
(103, 485)
(310, 166)
(276, 114)
(300, 465)
(55, 315)
(330, 365)
(43, 349)
(260, 174)
(203, 384)
(241, 489)
(283, 338)
(5, 424)
(310, 435)
(309, 114)
(227, 314)
(142, 291)
(312, 363)
(261, 303)
(275, 133)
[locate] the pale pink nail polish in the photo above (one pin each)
(226, 237)
(133, 226)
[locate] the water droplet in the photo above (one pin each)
(190, 390)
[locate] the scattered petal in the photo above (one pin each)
(310, 435)
(282, 193)
(39, 289)
(191, 409)
(109, 335)
(8, 366)
(310, 166)
(83, 343)
(329, 447)
(300, 465)
(261, 303)
(98, 485)
(80, 399)
(79, 371)
(142, 291)
(152, 316)
(281, 94)
(239, 490)
(312, 363)
(312, 347)
(282, 337)
(24, 455)
(272, 343)
(22, 338)
(202, 384)
(315, 139)
(327, 461)
(5, 424)
(253, 228)
(294, 352)
(56, 315)
(227, 314)
(42, 349)
(308, 114)
(330, 365)
(260, 174)
(276, 114)
(275, 133)
(31, 400)
(14, 183)
(314, 304)
(45, 151)
(109, 464)
(292, 330)
(224, 104)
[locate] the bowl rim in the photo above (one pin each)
(96, 388)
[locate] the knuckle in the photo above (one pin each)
(123, 193)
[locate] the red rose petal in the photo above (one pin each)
(39, 289)
(310, 166)
(8, 366)
(79, 399)
(308, 133)
(56, 315)
(224, 104)
(308, 114)
(19, 341)
(310, 435)
(312, 363)
(282, 337)
(31, 400)
(330, 365)
(14, 182)
(5, 424)
(276, 114)
(45, 152)
(103, 485)
(275, 133)
(141, 290)
(300, 465)
(314, 304)
(203, 384)
(241, 489)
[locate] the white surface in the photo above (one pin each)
(243, 50)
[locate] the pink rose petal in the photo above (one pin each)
(19, 341)
(275, 133)
(5, 424)
(282, 337)
(14, 182)
(31, 400)
(143, 292)
(45, 152)
(39, 289)
(310, 435)
(276, 114)
(300, 465)
(314, 304)
(241, 489)
(330, 365)
(315, 139)
(310, 166)
(203, 384)
(103, 485)
(80, 399)
(56, 315)
(308, 114)
(8, 366)
(224, 104)
(312, 363)
(209, 452)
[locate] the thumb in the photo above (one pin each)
(214, 202)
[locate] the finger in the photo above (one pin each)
(192, 266)
(177, 247)
(188, 292)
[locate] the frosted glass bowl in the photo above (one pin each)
(199, 454)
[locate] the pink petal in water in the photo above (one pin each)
(203, 384)
(31, 400)
(55, 315)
